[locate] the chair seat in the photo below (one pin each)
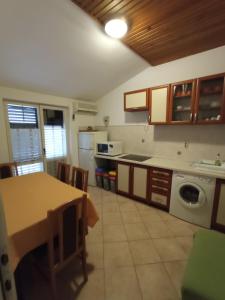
(204, 276)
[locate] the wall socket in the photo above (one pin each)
(106, 120)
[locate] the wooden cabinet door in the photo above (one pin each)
(139, 182)
(182, 97)
(210, 100)
(136, 100)
(218, 216)
(160, 187)
(123, 178)
(158, 105)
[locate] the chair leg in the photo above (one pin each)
(53, 286)
(84, 265)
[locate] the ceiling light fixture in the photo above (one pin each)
(116, 28)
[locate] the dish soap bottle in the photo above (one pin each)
(218, 160)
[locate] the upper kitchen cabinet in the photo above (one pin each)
(182, 97)
(136, 100)
(210, 100)
(158, 104)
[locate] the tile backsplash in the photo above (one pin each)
(183, 142)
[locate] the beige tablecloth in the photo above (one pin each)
(26, 200)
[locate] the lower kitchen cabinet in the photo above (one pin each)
(147, 184)
(139, 180)
(218, 216)
(123, 178)
(160, 187)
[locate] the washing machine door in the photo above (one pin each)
(191, 195)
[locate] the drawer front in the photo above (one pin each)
(160, 187)
(158, 198)
(161, 174)
(160, 182)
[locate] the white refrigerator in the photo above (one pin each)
(87, 149)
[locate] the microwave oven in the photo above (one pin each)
(109, 148)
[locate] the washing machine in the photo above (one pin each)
(192, 198)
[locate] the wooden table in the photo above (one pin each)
(26, 200)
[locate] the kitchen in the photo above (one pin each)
(145, 116)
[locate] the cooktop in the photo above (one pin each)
(135, 157)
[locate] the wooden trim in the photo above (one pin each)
(214, 224)
(141, 108)
(167, 104)
(193, 93)
(222, 111)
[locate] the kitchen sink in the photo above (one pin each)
(135, 157)
(209, 165)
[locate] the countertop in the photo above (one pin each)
(171, 164)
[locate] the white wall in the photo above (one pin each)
(206, 63)
(166, 141)
(81, 120)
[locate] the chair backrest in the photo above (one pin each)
(8, 170)
(67, 223)
(63, 172)
(79, 178)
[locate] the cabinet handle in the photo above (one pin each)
(149, 118)
(195, 117)
(191, 116)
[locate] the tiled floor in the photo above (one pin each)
(134, 252)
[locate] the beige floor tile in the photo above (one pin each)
(117, 254)
(179, 228)
(122, 199)
(106, 193)
(94, 289)
(95, 234)
(155, 283)
(98, 208)
(122, 284)
(95, 255)
(114, 233)
(142, 206)
(136, 231)
(149, 215)
(113, 218)
(186, 243)
(143, 252)
(169, 249)
(109, 198)
(110, 207)
(128, 206)
(176, 270)
(166, 216)
(131, 217)
(158, 229)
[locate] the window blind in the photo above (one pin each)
(55, 134)
(25, 137)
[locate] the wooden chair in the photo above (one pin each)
(79, 178)
(8, 170)
(66, 240)
(63, 172)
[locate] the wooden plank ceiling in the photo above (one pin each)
(164, 30)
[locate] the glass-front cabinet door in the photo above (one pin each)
(182, 101)
(210, 100)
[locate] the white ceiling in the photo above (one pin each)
(51, 46)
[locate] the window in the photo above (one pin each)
(55, 134)
(37, 136)
(25, 138)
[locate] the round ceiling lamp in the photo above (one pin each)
(116, 28)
